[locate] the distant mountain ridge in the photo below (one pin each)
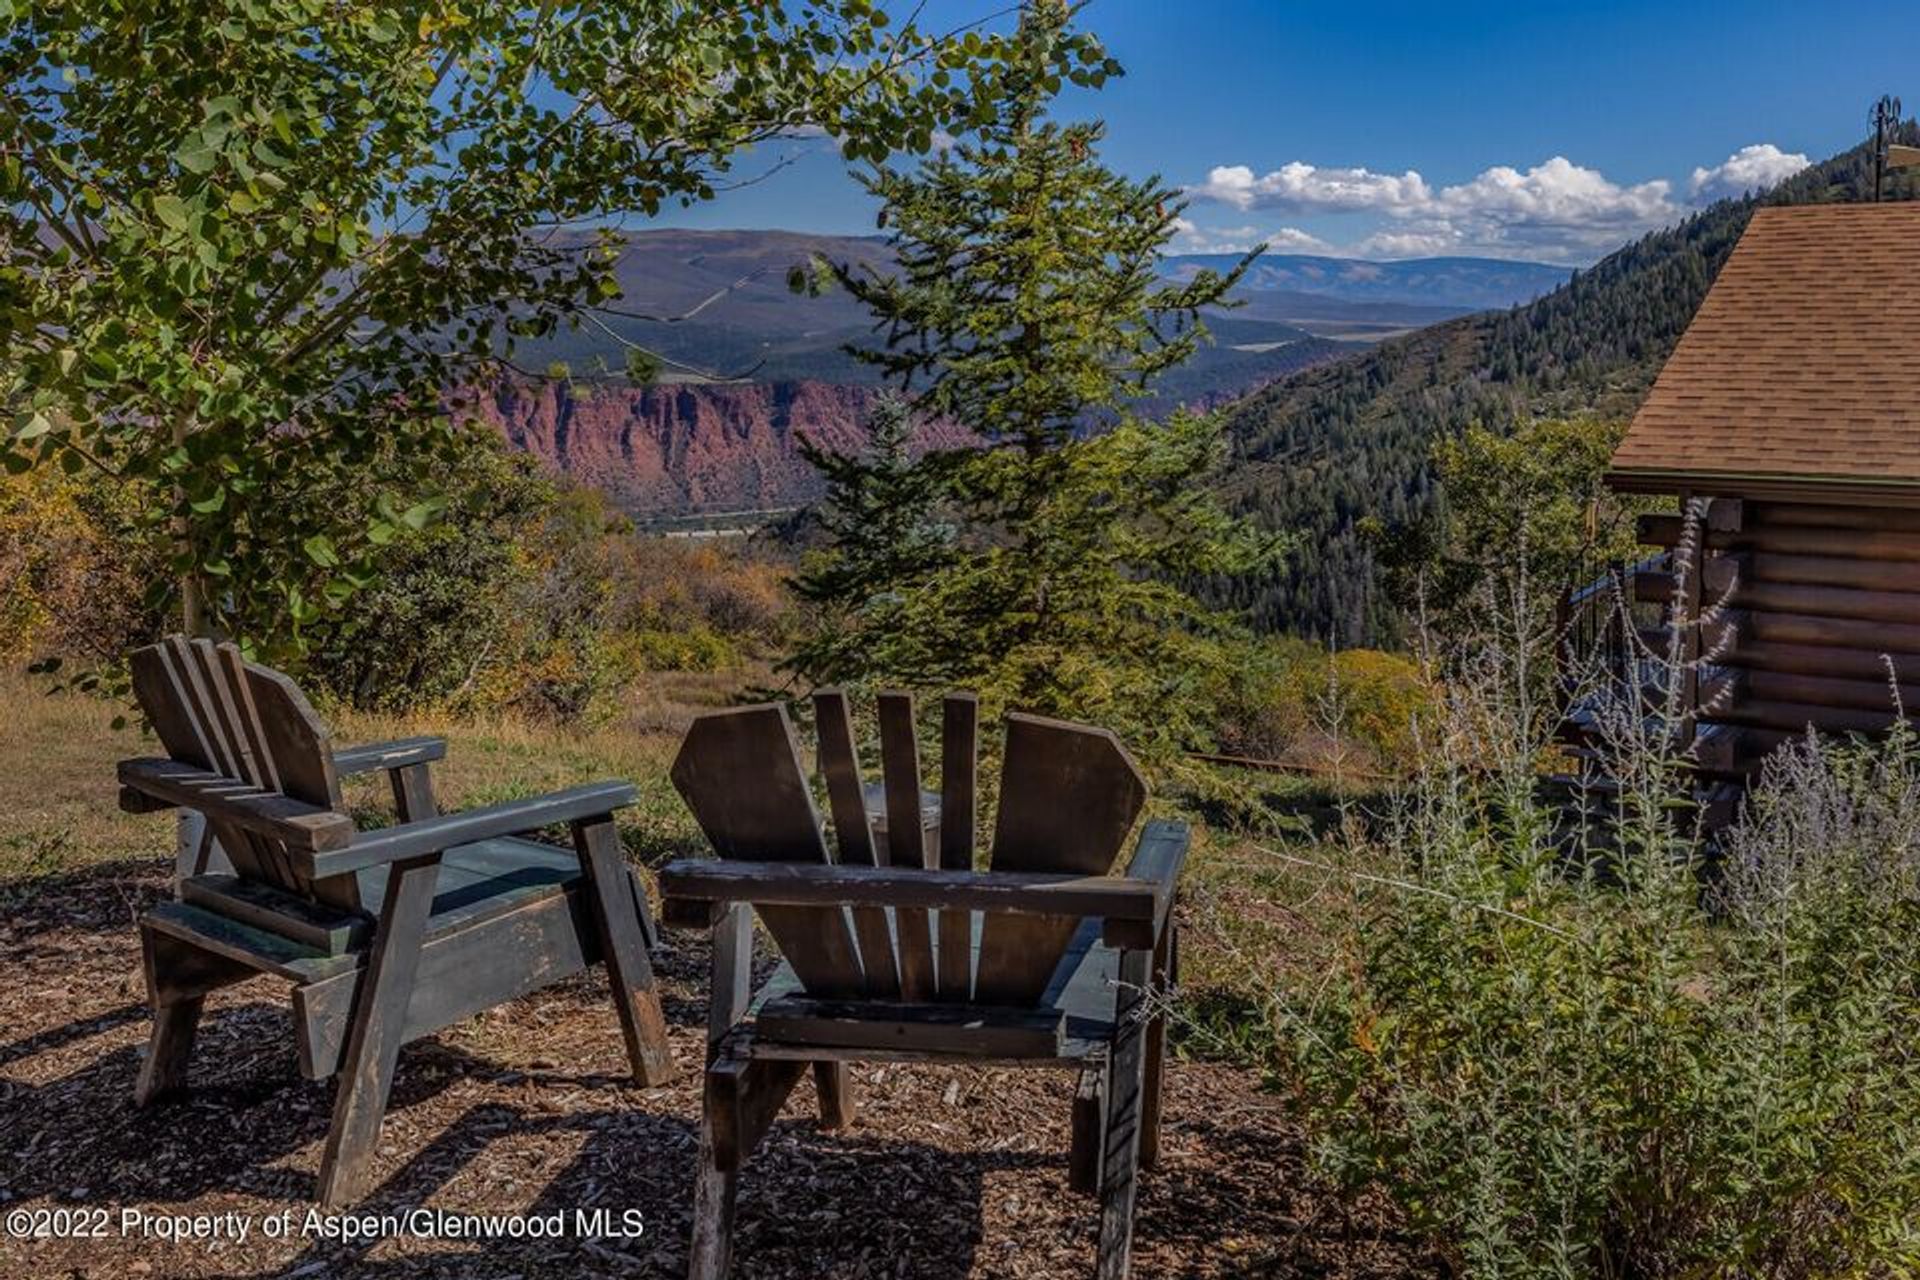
(1321, 451)
(718, 303)
(1468, 284)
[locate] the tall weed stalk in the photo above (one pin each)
(1569, 1049)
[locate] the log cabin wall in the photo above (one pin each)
(1811, 616)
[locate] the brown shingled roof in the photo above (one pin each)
(1800, 366)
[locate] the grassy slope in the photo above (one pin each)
(58, 797)
(58, 814)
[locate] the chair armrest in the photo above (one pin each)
(398, 754)
(694, 889)
(1157, 862)
(151, 784)
(450, 831)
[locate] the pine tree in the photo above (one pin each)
(1027, 307)
(879, 525)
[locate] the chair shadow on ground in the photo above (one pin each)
(243, 1064)
(812, 1204)
(806, 1198)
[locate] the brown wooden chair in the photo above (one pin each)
(905, 953)
(385, 935)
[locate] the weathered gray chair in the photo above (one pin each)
(386, 935)
(906, 953)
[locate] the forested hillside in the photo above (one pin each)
(1321, 451)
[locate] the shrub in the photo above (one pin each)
(502, 604)
(74, 561)
(1358, 709)
(694, 648)
(1562, 1058)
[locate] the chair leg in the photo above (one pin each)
(379, 1026)
(1089, 1130)
(1120, 1161)
(1165, 972)
(833, 1081)
(179, 975)
(739, 1102)
(715, 1194)
(649, 931)
(169, 1046)
(636, 997)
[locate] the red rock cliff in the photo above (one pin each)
(682, 448)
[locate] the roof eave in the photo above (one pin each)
(1850, 491)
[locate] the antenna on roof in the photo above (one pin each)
(1886, 118)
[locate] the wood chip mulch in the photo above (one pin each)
(948, 1172)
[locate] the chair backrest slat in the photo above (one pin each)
(1069, 795)
(846, 798)
(959, 764)
(739, 772)
(906, 839)
(215, 711)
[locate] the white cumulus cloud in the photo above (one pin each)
(1191, 237)
(1556, 210)
(1305, 188)
(1753, 168)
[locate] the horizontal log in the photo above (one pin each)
(1829, 632)
(1900, 607)
(1829, 691)
(1795, 717)
(1819, 571)
(1811, 540)
(1819, 660)
(1899, 518)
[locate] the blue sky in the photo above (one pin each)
(1547, 131)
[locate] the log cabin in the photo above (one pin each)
(1787, 424)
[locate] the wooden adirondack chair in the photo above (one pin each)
(386, 935)
(906, 953)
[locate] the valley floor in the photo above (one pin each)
(948, 1172)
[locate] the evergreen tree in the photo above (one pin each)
(1026, 307)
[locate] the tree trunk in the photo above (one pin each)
(193, 604)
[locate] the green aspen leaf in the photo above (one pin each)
(380, 533)
(36, 425)
(210, 504)
(172, 211)
(319, 549)
(196, 157)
